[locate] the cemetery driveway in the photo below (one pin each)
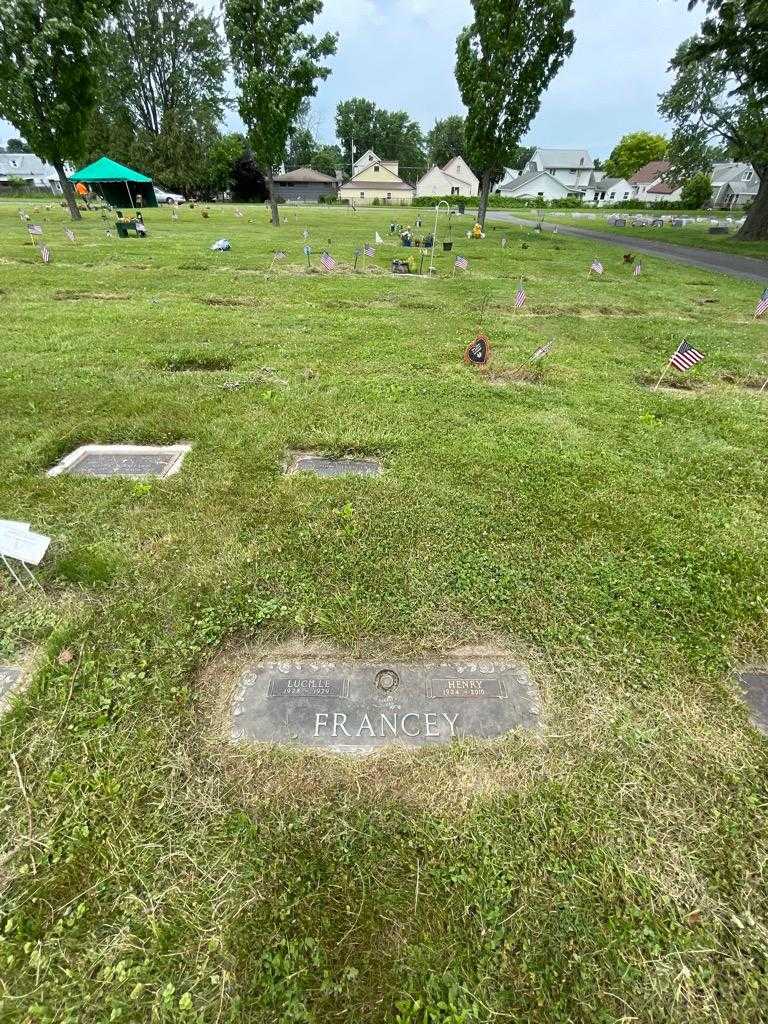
(746, 267)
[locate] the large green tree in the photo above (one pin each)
(277, 66)
(49, 56)
(504, 61)
(327, 160)
(356, 126)
(705, 107)
(162, 90)
(392, 134)
(735, 35)
(633, 151)
(446, 140)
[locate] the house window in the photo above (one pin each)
(362, 195)
(626, 195)
(455, 190)
(747, 175)
(389, 195)
(376, 168)
(581, 162)
(612, 195)
(540, 195)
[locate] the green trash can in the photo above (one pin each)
(461, 208)
(122, 229)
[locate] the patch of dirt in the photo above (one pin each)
(672, 385)
(192, 266)
(524, 375)
(70, 296)
(752, 383)
(587, 312)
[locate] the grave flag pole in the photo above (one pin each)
(663, 374)
(762, 389)
(32, 576)
(443, 202)
(10, 570)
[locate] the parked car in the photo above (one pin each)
(171, 198)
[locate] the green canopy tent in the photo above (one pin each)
(115, 183)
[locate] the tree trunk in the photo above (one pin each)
(485, 189)
(68, 189)
(755, 227)
(275, 218)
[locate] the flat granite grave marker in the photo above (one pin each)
(9, 680)
(124, 460)
(358, 707)
(326, 465)
(754, 687)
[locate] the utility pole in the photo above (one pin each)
(352, 153)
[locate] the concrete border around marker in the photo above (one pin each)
(179, 450)
(758, 712)
(293, 458)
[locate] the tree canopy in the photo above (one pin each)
(735, 36)
(704, 107)
(161, 90)
(277, 66)
(392, 134)
(505, 59)
(49, 60)
(633, 151)
(446, 140)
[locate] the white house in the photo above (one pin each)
(607, 191)
(377, 179)
(34, 172)
(733, 185)
(551, 174)
(649, 186)
(368, 159)
(454, 179)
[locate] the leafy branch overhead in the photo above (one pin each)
(504, 61)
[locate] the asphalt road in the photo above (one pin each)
(746, 267)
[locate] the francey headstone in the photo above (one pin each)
(359, 707)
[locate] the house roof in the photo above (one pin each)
(565, 158)
(603, 184)
(105, 169)
(514, 183)
(728, 171)
(650, 172)
(445, 174)
(308, 174)
(19, 164)
(466, 165)
(663, 188)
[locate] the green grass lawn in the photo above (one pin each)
(691, 234)
(610, 869)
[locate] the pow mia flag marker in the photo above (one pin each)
(478, 352)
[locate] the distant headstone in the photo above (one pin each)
(657, 222)
(718, 230)
(323, 465)
(678, 222)
(359, 707)
(478, 352)
(754, 686)
(123, 460)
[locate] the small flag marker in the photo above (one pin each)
(327, 261)
(520, 296)
(762, 304)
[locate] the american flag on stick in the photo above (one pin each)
(638, 269)
(34, 229)
(327, 261)
(762, 304)
(45, 252)
(520, 296)
(70, 234)
(461, 263)
(685, 357)
(369, 251)
(596, 267)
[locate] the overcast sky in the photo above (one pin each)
(400, 53)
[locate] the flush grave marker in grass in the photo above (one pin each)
(359, 707)
(326, 465)
(10, 678)
(134, 461)
(754, 687)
